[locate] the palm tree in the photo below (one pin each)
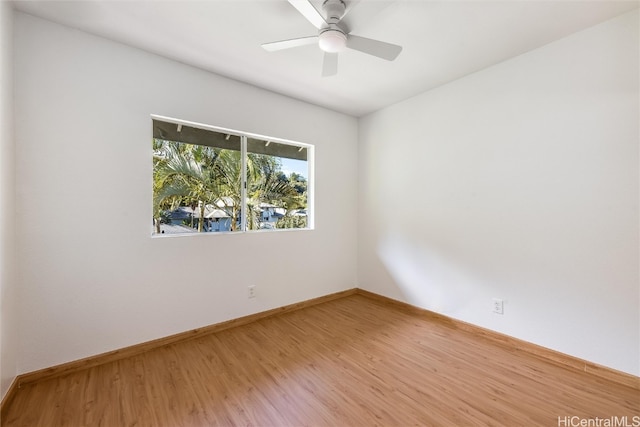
(266, 185)
(196, 176)
(187, 176)
(159, 204)
(229, 165)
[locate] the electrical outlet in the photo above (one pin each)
(252, 291)
(498, 306)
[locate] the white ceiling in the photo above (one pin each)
(442, 40)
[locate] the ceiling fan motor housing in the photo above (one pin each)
(332, 38)
(334, 10)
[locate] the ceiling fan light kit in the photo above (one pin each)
(332, 40)
(332, 36)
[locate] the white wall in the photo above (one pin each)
(519, 182)
(8, 275)
(93, 279)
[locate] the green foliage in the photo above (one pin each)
(200, 176)
(289, 221)
(186, 174)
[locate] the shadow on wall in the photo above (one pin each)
(427, 276)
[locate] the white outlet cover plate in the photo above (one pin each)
(498, 306)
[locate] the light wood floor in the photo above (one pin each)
(354, 361)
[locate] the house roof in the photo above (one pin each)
(217, 213)
(224, 202)
(185, 212)
(180, 213)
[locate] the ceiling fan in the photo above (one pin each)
(333, 36)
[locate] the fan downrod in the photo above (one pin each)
(334, 10)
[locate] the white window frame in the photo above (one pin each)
(244, 136)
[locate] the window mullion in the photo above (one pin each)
(243, 183)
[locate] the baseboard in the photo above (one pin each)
(111, 356)
(8, 397)
(553, 356)
(547, 354)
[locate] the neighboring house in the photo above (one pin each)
(225, 203)
(215, 219)
(269, 215)
(180, 215)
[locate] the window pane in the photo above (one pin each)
(196, 180)
(277, 178)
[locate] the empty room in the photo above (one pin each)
(320, 213)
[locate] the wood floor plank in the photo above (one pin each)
(348, 362)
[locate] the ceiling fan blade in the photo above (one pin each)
(308, 11)
(286, 44)
(377, 48)
(330, 64)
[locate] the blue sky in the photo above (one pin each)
(297, 166)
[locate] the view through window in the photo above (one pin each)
(208, 180)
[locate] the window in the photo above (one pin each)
(208, 180)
